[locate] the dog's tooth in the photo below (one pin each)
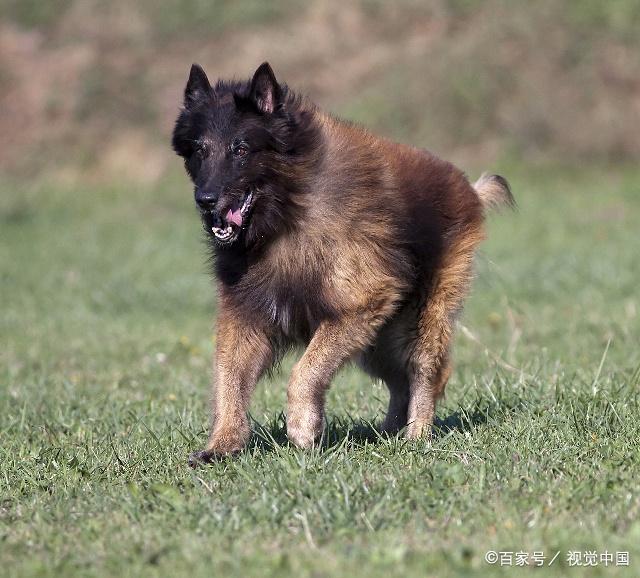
(223, 234)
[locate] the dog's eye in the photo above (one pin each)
(194, 162)
(196, 157)
(239, 149)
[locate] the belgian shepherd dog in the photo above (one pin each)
(325, 236)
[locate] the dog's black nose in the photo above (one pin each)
(205, 200)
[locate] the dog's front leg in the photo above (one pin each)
(243, 353)
(331, 345)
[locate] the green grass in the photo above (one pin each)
(106, 332)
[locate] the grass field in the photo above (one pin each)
(106, 332)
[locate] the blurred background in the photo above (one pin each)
(107, 302)
(88, 85)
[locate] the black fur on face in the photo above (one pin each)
(249, 148)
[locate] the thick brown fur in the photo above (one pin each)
(367, 257)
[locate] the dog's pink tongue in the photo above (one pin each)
(234, 217)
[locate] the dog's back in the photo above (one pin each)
(405, 199)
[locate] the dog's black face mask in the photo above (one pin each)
(237, 144)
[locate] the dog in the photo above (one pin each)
(325, 236)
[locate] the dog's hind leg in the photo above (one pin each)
(381, 362)
(429, 366)
(397, 412)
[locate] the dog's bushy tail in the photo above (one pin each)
(494, 192)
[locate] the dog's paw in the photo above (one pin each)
(197, 459)
(392, 426)
(203, 457)
(304, 427)
(221, 446)
(419, 430)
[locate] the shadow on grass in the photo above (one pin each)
(356, 432)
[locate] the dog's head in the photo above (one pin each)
(243, 146)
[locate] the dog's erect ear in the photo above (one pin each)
(197, 86)
(265, 92)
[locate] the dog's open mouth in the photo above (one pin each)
(231, 223)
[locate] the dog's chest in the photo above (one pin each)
(291, 305)
(283, 312)
(289, 293)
